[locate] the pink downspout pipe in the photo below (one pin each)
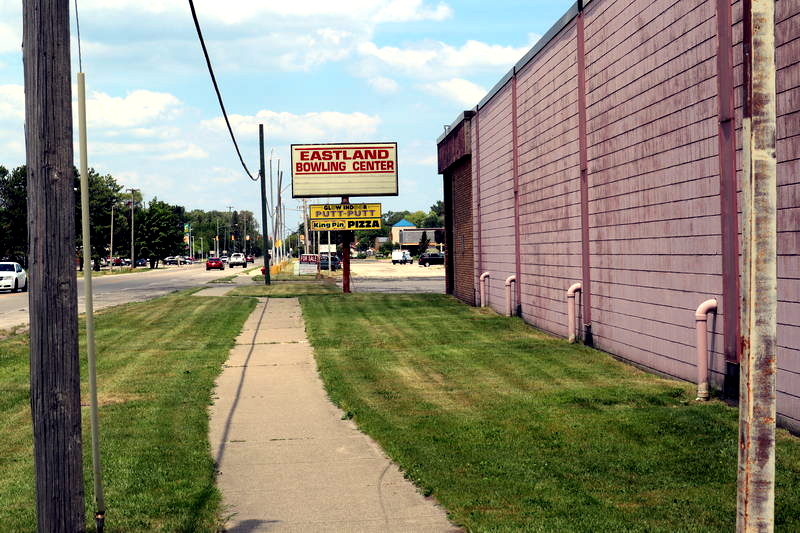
(701, 324)
(575, 287)
(483, 288)
(509, 280)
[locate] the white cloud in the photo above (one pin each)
(464, 92)
(408, 10)
(437, 59)
(12, 103)
(191, 151)
(383, 85)
(309, 127)
(10, 38)
(247, 10)
(138, 108)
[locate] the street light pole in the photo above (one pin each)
(264, 228)
(133, 203)
(111, 246)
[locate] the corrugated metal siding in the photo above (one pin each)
(787, 28)
(653, 178)
(549, 181)
(654, 188)
(497, 195)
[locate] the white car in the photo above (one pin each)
(13, 276)
(237, 259)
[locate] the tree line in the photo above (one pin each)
(159, 227)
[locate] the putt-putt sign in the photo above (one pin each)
(363, 169)
(344, 217)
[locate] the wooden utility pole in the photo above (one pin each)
(756, 476)
(264, 227)
(54, 363)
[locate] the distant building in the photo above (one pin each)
(409, 238)
(400, 226)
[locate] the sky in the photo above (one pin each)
(311, 71)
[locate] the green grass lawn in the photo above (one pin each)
(514, 430)
(116, 271)
(287, 289)
(156, 365)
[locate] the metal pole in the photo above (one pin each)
(133, 203)
(305, 227)
(100, 512)
(329, 252)
(345, 255)
(263, 202)
(111, 246)
(757, 410)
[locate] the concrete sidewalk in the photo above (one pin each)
(286, 459)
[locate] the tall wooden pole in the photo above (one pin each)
(757, 410)
(264, 227)
(54, 363)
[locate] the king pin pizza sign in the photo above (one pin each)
(362, 169)
(344, 217)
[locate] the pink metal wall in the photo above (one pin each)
(788, 88)
(652, 127)
(550, 225)
(496, 196)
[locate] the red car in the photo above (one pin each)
(250, 259)
(215, 262)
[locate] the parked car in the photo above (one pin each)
(237, 259)
(13, 277)
(141, 262)
(171, 260)
(251, 259)
(431, 258)
(402, 257)
(336, 263)
(215, 262)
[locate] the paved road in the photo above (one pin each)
(119, 289)
(383, 276)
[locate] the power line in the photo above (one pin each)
(216, 89)
(78, 26)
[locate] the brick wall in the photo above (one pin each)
(462, 248)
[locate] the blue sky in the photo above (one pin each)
(312, 71)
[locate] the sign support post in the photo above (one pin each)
(346, 255)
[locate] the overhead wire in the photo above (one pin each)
(216, 89)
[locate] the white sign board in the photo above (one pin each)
(360, 169)
(309, 264)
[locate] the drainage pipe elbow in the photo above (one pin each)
(509, 280)
(701, 327)
(575, 287)
(482, 281)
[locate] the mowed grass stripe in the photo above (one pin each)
(157, 362)
(514, 430)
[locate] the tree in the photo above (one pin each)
(104, 192)
(386, 248)
(14, 215)
(424, 241)
(160, 231)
